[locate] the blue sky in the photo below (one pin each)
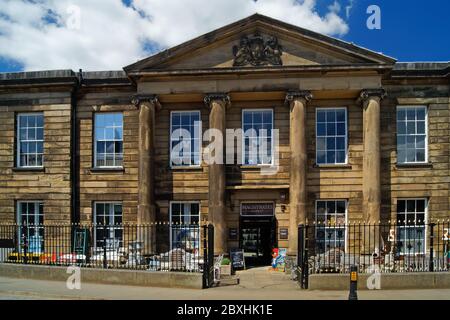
(115, 33)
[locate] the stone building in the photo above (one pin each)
(361, 137)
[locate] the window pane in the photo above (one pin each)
(331, 143)
(321, 144)
(340, 115)
(401, 127)
(420, 155)
(267, 117)
(411, 114)
(321, 116)
(31, 134)
(341, 129)
(321, 129)
(410, 155)
(410, 127)
(420, 205)
(109, 133)
(99, 133)
(331, 207)
(321, 156)
(420, 127)
(331, 157)
(401, 156)
(257, 117)
(331, 129)
(401, 142)
(118, 147)
(340, 157)
(420, 113)
(401, 114)
(110, 147)
(410, 142)
(340, 143)
(331, 115)
(321, 207)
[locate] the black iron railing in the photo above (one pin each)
(155, 247)
(411, 246)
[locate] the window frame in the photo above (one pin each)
(94, 138)
(18, 140)
(406, 107)
(425, 225)
(335, 136)
(36, 226)
(335, 228)
(114, 226)
(200, 151)
(170, 219)
(272, 156)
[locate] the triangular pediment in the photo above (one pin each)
(259, 41)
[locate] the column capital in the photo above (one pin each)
(138, 99)
(366, 94)
(301, 94)
(209, 97)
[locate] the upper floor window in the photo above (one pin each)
(185, 138)
(331, 136)
(30, 140)
(108, 140)
(411, 134)
(411, 215)
(257, 126)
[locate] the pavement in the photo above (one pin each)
(255, 284)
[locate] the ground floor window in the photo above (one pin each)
(30, 218)
(330, 228)
(108, 225)
(185, 230)
(411, 216)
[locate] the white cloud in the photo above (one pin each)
(112, 35)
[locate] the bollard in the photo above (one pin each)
(353, 283)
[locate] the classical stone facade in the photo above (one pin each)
(256, 64)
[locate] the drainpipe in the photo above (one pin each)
(75, 216)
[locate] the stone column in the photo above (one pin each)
(371, 100)
(297, 189)
(217, 102)
(148, 105)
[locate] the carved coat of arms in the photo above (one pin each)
(256, 51)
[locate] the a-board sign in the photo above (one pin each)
(81, 241)
(237, 258)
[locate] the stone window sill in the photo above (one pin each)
(187, 168)
(414, 165)
(28, 169)
(333, 166)
(255, 167)
(108, 170)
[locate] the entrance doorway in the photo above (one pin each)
(257, 240)
(257, 232)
